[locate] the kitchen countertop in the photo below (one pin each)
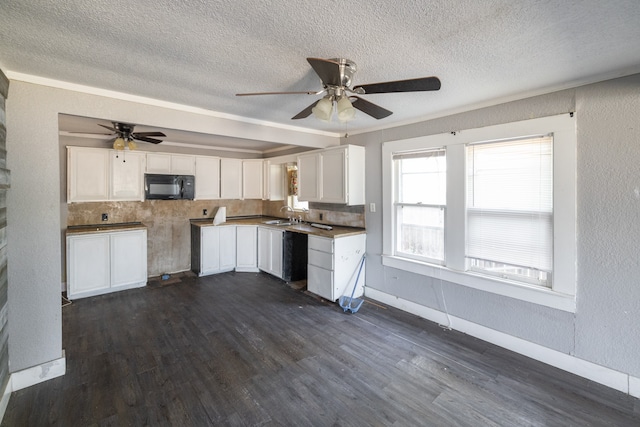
(306, 228)
(104, 228)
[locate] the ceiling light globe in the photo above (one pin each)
(132, 145)
(323, 109)
(346, 112)
(118, 144)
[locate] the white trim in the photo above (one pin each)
(37, 374)
(597, 373)
(634, 386)
(58, 84)
(530, 293)
(4, 401)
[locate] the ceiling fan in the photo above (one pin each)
(336, 75)
(124, 135)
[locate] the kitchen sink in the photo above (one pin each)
(277, 222)
(273, 222)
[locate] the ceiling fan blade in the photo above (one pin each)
(370, 108)
(145, 139)
(109, 127)
(280, 93)
(327, 70)
(304, 113)
(411, 85)
(143, 134)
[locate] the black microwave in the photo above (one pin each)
(169, 187)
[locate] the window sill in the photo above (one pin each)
(521, 291)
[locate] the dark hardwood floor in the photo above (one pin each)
(246, 349)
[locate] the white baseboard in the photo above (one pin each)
(600, 374)
(634, 386)
(4, 401)
(37, 374)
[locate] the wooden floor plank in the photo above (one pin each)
(246, 349)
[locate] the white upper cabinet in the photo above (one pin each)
(252, 179)
(87, 174)
(309, 177)
(175, 164)
(98, 174)
(334, 175)
(127, 172)
(230, 178)
(207, 178)
(273, 181)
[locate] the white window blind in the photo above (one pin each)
(420, 204)
(510, 208)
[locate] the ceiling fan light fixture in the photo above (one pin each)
(118, 144)
(132, 145)
(346, 112)
(323, 109)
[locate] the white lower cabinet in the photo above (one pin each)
(103, 262)
(270, 250)
(213, 249)
(247, 248)
(333, 265)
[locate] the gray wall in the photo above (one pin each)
(603, 329)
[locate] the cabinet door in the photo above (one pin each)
(308, 177)
(128, 258)
(246, 248)
(209, 250)
(252, 179)
(127, 175)
(158, 163)
(320, 282)
(227, 248)
(275, 179)
(87, 174)
(264, 249)
(182, 164)
(230, 178)
(207, 178)
(276, 252)
(333, 176)
(88, 264)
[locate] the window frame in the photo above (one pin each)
(400, 204)
(561, 294)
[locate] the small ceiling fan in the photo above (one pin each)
(336, 75)
(124, 135)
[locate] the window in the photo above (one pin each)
(510, 209)
(292, 189)
(420, 204)
(491, 208)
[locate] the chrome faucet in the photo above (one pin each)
(289, 211)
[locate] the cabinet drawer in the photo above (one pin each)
(320, 282)
(321, 244)
(320, 259)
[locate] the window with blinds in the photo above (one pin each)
(509, 209)
(420, 204)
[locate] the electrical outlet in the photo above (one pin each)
(372, 207)
(204, 212)
(105, 217)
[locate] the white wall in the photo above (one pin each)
(34, 231)
(603, 330)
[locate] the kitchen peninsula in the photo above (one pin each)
(326, 257)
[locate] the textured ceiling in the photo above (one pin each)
(201, 52)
